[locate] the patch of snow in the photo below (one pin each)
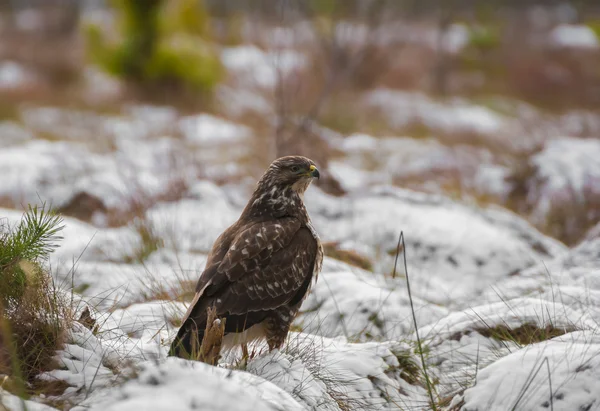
(13, 403)
(136, 123)
(574, 36)
(455, 116)
(12, 133)
(359, 143)
(151, 316)
(328, 374)
(424, 164)
(109, 284)
(255, 66)
(491, 179)
(238, 101)
(511, 314)
(362, 305)
(353, 178)
(573, 279)
(84, 363)
(14, 75)
(186, 385)
(178, 223)
(55, 172)
(566, 171)
(456, 38)
(454, 251)
(455, 361)
(521, 381)
(205, 129)
(99, 86)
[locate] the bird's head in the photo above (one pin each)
(295, 172)
(281, 188)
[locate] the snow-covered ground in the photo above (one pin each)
(507, 316)
(472, 269)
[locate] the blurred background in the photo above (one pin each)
(108, 107)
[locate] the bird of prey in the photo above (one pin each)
(261, 268)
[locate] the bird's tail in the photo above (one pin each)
(187, 342)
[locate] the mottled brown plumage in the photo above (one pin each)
(261, 268)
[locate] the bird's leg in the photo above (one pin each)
(210, 349)
(277, 328)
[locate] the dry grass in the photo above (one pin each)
(525, 334)
(348, 256)
(570, 214)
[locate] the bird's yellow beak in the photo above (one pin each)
(314, 172)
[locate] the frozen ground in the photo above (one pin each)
(472, 270)
(508, 316)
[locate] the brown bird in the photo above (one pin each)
(261, 268)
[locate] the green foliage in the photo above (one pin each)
(484, 38)
(323, 6)
(22, 248)
(162, 44)
(595, 26)
(31, 313)
(188, 16)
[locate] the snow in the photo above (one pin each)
(13, 134)
(566, 171)
(237, 101)
(423, 164)
(205, 129)
(360, 305)
(457, 254)
(574, 36)
(454, 251)
(456, 38)
(14, 403)
(14, 75)
(511, 314)
(177, 222)
(325, 373)
(55, 172)
(79, 125)
(471, 268)
(403, 108)
(184, 385)
(255, 66)
(572, 278)
(521, 381)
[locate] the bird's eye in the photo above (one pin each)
(295, 169)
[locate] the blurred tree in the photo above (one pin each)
(163, 44)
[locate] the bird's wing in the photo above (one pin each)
(264, 267)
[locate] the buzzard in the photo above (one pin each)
(261, 268)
